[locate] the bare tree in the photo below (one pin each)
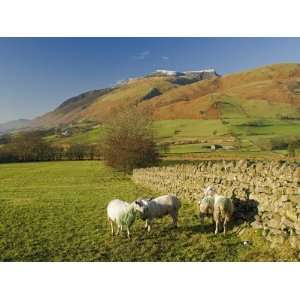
(129, 140)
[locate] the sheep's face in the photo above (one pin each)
(206, 206)
(140, 206)
(209, 191)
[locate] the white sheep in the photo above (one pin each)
(206, 205)
(159, 207)
(210, 191)
(223, 210)
(219, 206)
(122, 214)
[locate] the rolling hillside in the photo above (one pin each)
(267, 92)
(98, 105)
(13, 125)
(255, 113)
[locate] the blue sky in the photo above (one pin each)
(37, 74)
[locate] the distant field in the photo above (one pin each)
(246, 140)
(188, 148)
(236, 136)
(180, 129)
(57, 212)
(92, 136)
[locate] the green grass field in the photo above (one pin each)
(188, 148)
(216, 129)
(247, 140)
(238, 138)
(57, 212)
(92, 136)
(181, 129)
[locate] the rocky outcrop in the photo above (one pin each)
(266, 194)
(200, 74)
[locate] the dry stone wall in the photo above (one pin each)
(266, 194)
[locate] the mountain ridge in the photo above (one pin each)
(271, 91)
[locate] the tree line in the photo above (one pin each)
(31, 146)
(128, 143)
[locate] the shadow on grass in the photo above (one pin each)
(198, 228)
(208, 228)
(244, 210)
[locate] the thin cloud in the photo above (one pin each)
(165, 57)
(142, 55)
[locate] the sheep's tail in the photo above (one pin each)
(223, 208)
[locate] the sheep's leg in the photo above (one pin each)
(175, 219)
(128, 232)
(201, 218)
(119, 229)
(225, 224)
(217, 226)
(149, 226)
(112, 227)
(146, 224)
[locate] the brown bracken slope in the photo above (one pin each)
(270, 91)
